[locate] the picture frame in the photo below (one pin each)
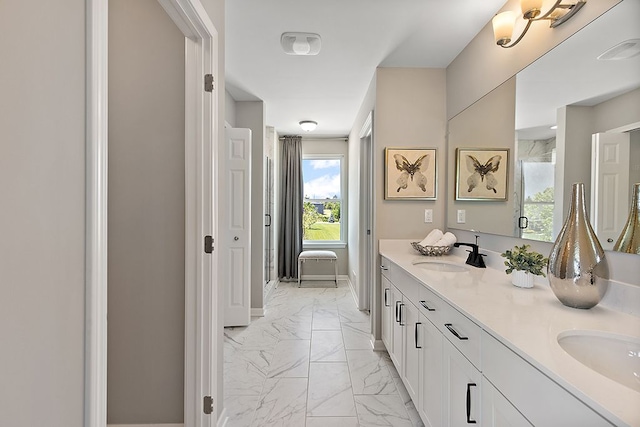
(410, 174)
(482, 174)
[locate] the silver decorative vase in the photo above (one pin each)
(629, 240)
(578, 271)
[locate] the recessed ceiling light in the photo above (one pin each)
(625, 50)
(300, 43)
(554, 127)
(308, 125)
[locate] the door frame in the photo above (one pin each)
(201, 291)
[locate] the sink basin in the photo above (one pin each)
(448, 267)
(617, 357)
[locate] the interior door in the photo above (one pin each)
(235, 240)
(609, 185)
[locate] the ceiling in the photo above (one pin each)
(357, 36)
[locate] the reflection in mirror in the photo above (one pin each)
(568, 104)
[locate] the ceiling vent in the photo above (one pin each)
(300, 43)
(625, 50)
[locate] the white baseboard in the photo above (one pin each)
(377, 345)
(223, 419)
(323, 277)
(145, 425)
(257, 312)
(354, 294)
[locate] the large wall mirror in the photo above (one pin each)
(574, 114)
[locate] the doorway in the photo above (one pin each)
(200, 332)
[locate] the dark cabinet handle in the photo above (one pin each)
(454, 332)
(382, 267)
(469, 420)
(386, 297)
(397, 310)
(424, 304)
(416, 334)
(401, 312)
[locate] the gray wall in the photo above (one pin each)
(410, 112)
(251, 115)
(483, 66)
(146, 270)
(42, 176)
(488, 123)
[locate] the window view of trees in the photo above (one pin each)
(539, 210)
(321, 218)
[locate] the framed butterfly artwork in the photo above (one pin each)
(482, 174)
(410, 174)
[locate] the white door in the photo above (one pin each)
(609, 185)
(235, 227)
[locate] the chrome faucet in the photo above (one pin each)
(475, 257)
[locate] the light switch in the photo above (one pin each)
(462, 216)
(428, 215)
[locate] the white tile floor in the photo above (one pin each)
(309, 362)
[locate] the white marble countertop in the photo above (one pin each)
(528, 322)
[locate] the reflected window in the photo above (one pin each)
(537, 201)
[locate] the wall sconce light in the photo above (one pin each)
(308, 125)
(503, 23)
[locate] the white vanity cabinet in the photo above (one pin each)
(458, 374)
(497, 411)
(412, 349)
(430, 341)
(538, 398)
(462, 388)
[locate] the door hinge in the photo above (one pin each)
(208, 244)
(208, 82)
(207, 405)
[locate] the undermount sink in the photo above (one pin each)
(617, 357)
(444, 266)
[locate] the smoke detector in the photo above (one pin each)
(300, 43)
(625, 50)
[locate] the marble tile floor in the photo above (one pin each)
(308, 363)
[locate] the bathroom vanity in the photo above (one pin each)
(471, 348)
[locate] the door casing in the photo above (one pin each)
(201, 135)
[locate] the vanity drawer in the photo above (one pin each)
(462, 332)
(430, 305)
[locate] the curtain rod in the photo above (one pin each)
(323, 138)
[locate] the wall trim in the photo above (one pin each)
(223, 419)
(257, 312)
(95, 349)
(145, 425)
(377, 345)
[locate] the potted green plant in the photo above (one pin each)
(523, 264)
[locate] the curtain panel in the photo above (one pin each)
(291, 206)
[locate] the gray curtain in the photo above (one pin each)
(291, 197)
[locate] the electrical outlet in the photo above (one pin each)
(428, 215)
(462, 216)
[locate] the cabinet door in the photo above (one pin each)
(462, 388)
(412, 350)
(430, 404)
(398, 325)
(497, 411)
(387, 313)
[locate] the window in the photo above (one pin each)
(323, 215)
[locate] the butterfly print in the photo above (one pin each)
(411, 171)
(482, 173)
